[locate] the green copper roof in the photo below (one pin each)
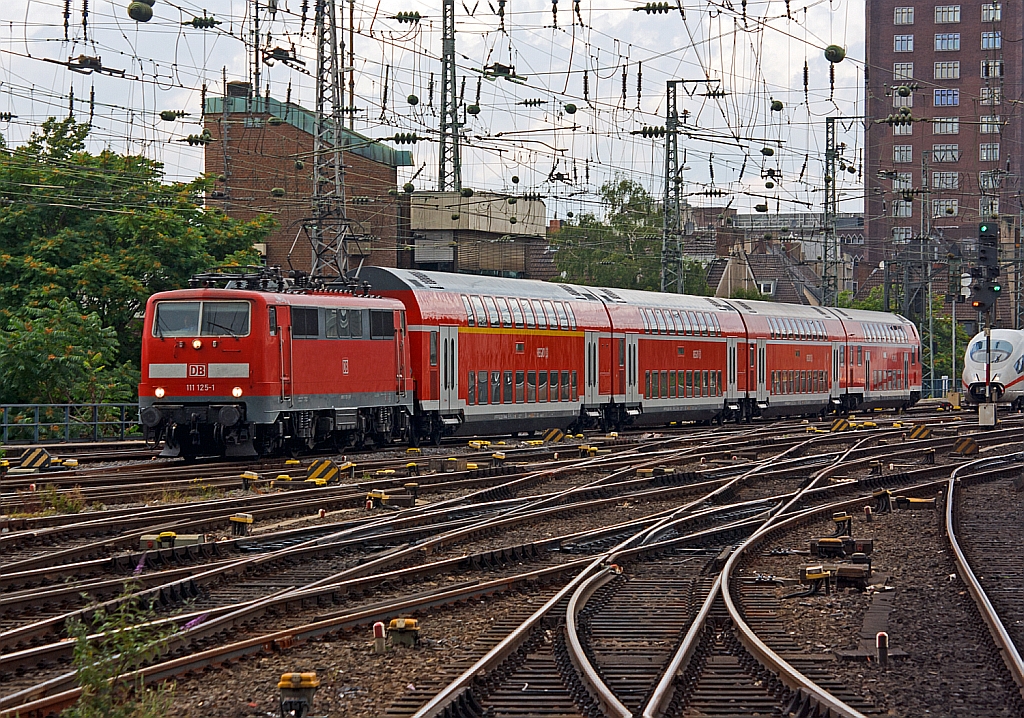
(303, 119)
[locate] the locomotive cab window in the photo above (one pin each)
(272, 316)
(208, 319)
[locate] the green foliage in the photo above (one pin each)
(55, 354)
(624, 248)
(749, 293)
(128, 642)
(104, 232)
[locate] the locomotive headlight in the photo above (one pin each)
(159, 393)
(236, 392)
(197, 344)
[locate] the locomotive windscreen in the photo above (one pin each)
(1001, 351)
(208, 319)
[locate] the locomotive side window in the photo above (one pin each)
(272, 315)
(355, 323)
(338, 323)
(433, 351)
(469, 311)
(382, 324)
(305, 322)
(478, 311)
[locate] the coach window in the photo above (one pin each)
(481, 387)
(507, 385)
(714, 383)
(686, 322)
(575, 391)
(542, 386)
(478, 311)
(520, 388)
(433, 348)
(655, 387)
(680, 383)
(528, 314)
(718, 327)
(495, 387)
(471, 388)
(664, 385)
(506, 315)
(563, 318)
(647, 384)
(660, 318)
(689, 384)
(549, 314)
(531, 386)
(517, 312)
(565, 386)
(572, 316)
(539, 311)
(553, 386)
(492, 312)
(469, 310)
(701, 325)
(671, 384)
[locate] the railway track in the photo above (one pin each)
(691, 532)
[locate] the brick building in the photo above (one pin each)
(262, 161)
(958, 70)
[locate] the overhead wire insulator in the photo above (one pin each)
(412, 18)
(649, 131)
(201, 139)
(654, 8)
(7, 116)
(554, 13)
(532, 103)
(202, 23)
(405, 138)
(586, 85)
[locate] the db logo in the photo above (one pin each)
(196, 370)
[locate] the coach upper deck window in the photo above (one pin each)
(549, 314)
(492, 312)
(517, 312)
(503, 310)
(528, 314)
(539, 311)
(208, 319)
(478, 311)
(563, 318)
(469, 310)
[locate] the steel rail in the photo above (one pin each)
(1004, 643)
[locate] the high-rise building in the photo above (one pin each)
(951, 78)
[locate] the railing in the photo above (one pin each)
(36, 423)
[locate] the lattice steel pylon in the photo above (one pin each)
(671, 237)
(449, 174)
(830, 254)
(329, 230)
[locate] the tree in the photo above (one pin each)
(103, 231)
(624, 248)
(752, 293)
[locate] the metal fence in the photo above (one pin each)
(37, 423)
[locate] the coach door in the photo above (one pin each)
(837, 353)
(867, 373)
(632, 391)
(731, 393)
(590, 395)
(762, 390)
(448, 339)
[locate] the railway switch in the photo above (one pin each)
(412, 469)
(297, 692)
(907, 503)
(167, 539)
(883, 501)
(844, 524)
(248, 477)
(404, 631)
(240, 524)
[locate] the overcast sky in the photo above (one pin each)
(754, 55)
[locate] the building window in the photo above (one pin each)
(989, 207)
(945, 153)
(947, 14)
(902, 130)
(990, 125)
(903, 43)
(946, 126)
(902, 235)
(991, 40)
(902, 181)
(947, 98)
(902, 208)
(946, 180)
(991, 95)
(945, 208)
(903, 153)
(990, 179)
(989, 152)
(900, 101)
(902, 71)
(947, 70)
(947, 41)
(903, 16)
(991, 68)
(991, 12)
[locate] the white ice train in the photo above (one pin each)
(1002, 369)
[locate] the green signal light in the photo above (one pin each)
(996, 288)
(984, 228)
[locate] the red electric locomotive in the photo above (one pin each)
(246, 364)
